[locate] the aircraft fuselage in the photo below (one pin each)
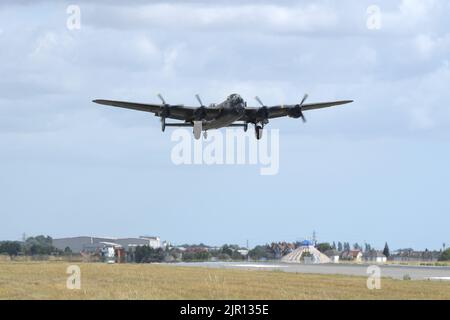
(232, 110)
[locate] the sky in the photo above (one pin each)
(373, 171)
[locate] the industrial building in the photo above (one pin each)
(410, 255)
(92, 244)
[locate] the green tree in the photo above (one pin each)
(346, 246)
(261, 252)
(196, 256)
(202, 256)
(226, 249)
(237, 256)
(12, 248)
(147, 254)
(445, 256)
(224, 257)
(386, 250)
(340, 247)
(322, 247)
(39, 245)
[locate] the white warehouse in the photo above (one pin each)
(86, 243)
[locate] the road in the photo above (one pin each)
(390, 271)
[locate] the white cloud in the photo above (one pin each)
(425, 45)
(367, 56)
(145, 46)
(413, 15)
(207, 17)
(421, 118)
(170, 60)
(416, 10)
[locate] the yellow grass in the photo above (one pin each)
(47, 280)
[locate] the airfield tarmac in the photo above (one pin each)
(390, 271)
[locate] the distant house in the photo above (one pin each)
(406, 255)
(243, 252)
(196, 249)
(352, 255)
(374, 256)
(333, 255)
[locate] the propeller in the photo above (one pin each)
(199, 100)
(165, 112)
(161, 98)
(166, 108)
(200, 113)
(259, 101)
(263, 112)
(297, 111)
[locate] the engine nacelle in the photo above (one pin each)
(295, 112)
(200, 113)
(262, 113)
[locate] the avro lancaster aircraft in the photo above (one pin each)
(233, 112)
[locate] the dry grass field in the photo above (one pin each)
(47, 280)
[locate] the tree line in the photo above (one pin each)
(42, 245)
(345, 246)
(191, 253)
(39, 245)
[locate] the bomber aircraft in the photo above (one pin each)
(233, 112)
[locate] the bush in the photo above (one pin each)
(196, 256)
(307, 255)
(261, 252)
(445, 256)
(237, 256)
(226, 249)
(147, 254)
(224, 257)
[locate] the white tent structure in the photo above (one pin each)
(306, 253)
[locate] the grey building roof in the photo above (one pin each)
(78, 244)
(374, 254)
(332, 253)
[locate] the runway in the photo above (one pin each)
(389, 271)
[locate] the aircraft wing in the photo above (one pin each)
(256, 114)
(178, 112)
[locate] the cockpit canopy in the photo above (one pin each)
(235, 98)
